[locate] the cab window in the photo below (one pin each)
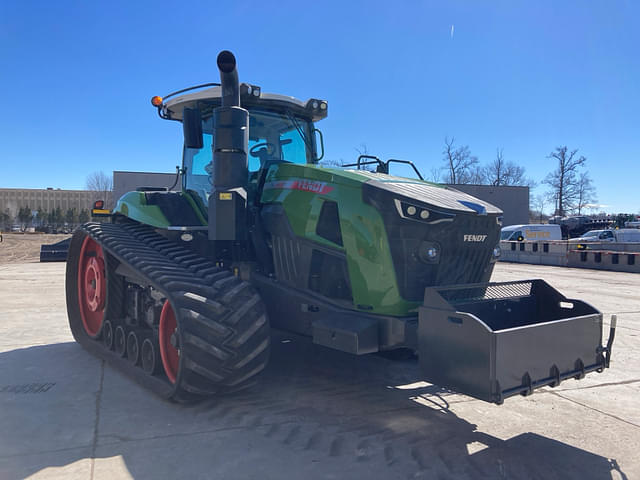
(202, 157)
(278, 137)
(273, 136)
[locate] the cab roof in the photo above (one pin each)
(251, 96)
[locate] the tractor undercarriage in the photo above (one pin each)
(148, 305)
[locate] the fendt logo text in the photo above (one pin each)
(474, 238)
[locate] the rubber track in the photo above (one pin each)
(222, 322)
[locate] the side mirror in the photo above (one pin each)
(192, 127)
(319, 144)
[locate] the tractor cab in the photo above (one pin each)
(281, 129)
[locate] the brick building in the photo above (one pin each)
(13, 199)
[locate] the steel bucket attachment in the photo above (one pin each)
(492, 341)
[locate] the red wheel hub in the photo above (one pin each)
(92, 286)
(95, 287)
(168, 342)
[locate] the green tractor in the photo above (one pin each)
(181, 288)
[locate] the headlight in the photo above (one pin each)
(429, 252)
(421, 213)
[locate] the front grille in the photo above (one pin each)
(464, 262)
(459, 262)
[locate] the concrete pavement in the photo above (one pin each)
(316, 413)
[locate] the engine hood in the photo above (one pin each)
(315, 179)
(438, 196)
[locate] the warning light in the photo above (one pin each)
(156, 101)
(99, 204)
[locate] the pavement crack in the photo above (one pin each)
(39, 452)
(96, 425)
(596, 410)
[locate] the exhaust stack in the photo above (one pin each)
(229, 79)
(228, 199)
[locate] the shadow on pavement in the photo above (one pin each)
(315, 413)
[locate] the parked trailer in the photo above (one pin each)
(55, 252)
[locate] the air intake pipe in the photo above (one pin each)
(228, 199)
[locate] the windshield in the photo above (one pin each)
(511, 235)
(272, 136)
(592, 233)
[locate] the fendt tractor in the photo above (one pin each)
(180, 289)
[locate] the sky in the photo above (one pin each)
(76, 79)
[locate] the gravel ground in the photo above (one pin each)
(25, 247)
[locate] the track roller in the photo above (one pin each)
(133, 348)
(120, 341)
(107, 334)
(150, 357)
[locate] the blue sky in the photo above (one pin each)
(76, 79)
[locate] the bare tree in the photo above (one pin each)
(503, 173)
(435, 175)
(476, 175)
(332, 163)
(361, 150)
(495, 170)
(459, 163)
(585, 192)
(563, 180)
(364, 150)
(99, 182)
(539, 202)
(515, 175)
(102, 184)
